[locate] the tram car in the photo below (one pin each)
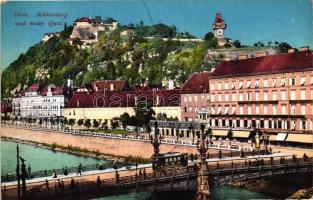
(170, 160)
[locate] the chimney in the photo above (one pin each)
(291, 50)
(306, 48)
(242, 56)
(261, 53)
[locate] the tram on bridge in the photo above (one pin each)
(170, 160)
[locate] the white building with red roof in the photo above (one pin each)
(38, 101)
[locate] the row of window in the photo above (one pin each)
(275, 124)
(257, 83)
(256, 96)
(264, 109)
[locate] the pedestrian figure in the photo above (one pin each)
(79, 169)
(144, 173)
(29, 170)
(100, 166)
(4, 188)
(117, 177)
(47, 184)
(98, 182)
(45, 173)
(114, 165)
(140, 173)
(136, 166)
(76, 186)
(62, 185)
(55, 188)
(72, 184)
(59, 184)
(65, 171)
(54, 174)
(305, 157)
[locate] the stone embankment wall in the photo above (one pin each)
(116, 147)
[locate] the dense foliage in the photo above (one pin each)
(142, 56)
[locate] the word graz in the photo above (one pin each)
(141, 101)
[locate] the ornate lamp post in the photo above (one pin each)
(177, 131)
(230, 136)
(208, 134)
(155, 141)
(257, 140)
(18, 173)
(203, 192)
(191, 129)
(24, 176)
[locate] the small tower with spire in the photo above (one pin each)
(219, 26)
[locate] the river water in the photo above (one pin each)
(40, 159)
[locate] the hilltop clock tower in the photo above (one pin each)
(219, 26)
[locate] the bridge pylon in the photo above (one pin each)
(203, 188)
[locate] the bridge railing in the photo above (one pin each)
(125, 137)
(109, 185)
(258, 162)
(48, 173)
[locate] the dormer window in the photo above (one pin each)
(283, 83)
(293, 81)
(233, 86)
(248, 84)
(256, 85)
(240, 84)
(274, 82)
(302, 81)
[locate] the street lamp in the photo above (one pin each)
(208, 135)
(229, 136)
(257, 140)
(177, 131)
(192, 132)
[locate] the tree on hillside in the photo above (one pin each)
(237, 44)
(209, 36)
(283, 47)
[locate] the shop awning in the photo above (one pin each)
(281, 137)
(241, 134)
(219, 132)
(300, 138)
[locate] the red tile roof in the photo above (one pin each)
(118, 85)
(280, 63)
(34, 87)
(197, 83)
(124, 98)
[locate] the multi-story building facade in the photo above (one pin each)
(273, 93)
(108, 100)
(40, 102)
(195, 97)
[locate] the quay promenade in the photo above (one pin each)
(87, 177)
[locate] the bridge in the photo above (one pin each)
(219, 173)
(199, 174)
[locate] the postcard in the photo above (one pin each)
(146, 99)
